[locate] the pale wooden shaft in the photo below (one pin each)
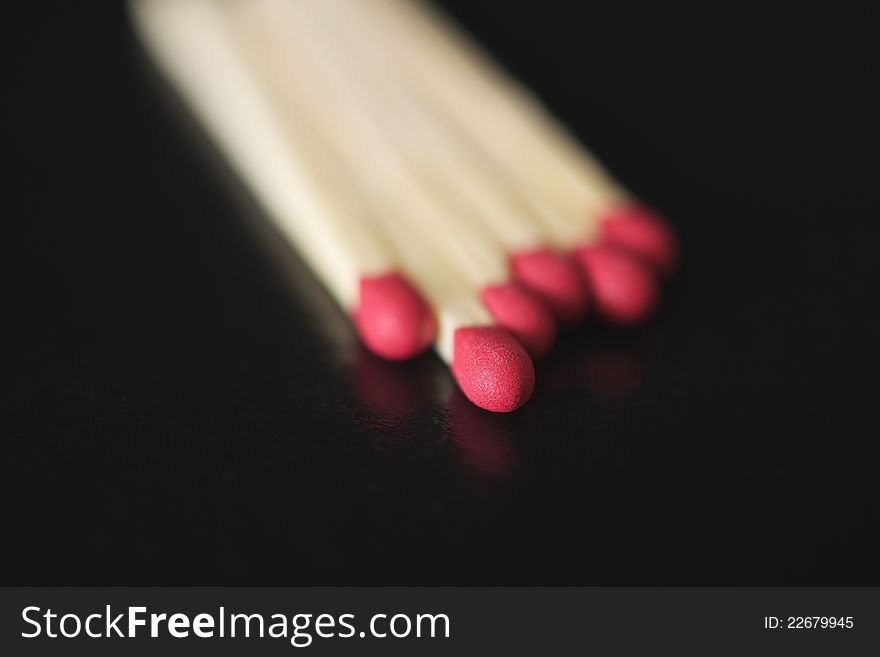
(296, 69)
(534, 150)
(288, 178)
(488, 207)
(267, 48)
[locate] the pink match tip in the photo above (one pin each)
(392, 318)
(492, 368)
(640, 230)
(624, 289)
(523, 314)
(555, 279)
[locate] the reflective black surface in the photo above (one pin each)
(181, 402)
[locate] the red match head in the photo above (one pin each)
(624, 289)
(392, 318)
(555, 279)
(640, 230)
(523, 314)
(492, 368)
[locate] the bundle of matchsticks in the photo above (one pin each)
(436, 199)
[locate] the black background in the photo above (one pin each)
(181, 403)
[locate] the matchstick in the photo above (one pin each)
(491, 367)
(491, 209)
(294, 184)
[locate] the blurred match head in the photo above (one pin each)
(522, 313)
(555, 279)
(392, 318)
(623, 288)
(639, 230)
(492, 369)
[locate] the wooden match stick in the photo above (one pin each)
(489, 208)
(289, 177)
(595, 217)
(491, 367)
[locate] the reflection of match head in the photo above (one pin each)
(492, 368)
(523, 314)
(392, 318)
(555, 279)
(624, 289)
(483, 439)
(640, 230)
